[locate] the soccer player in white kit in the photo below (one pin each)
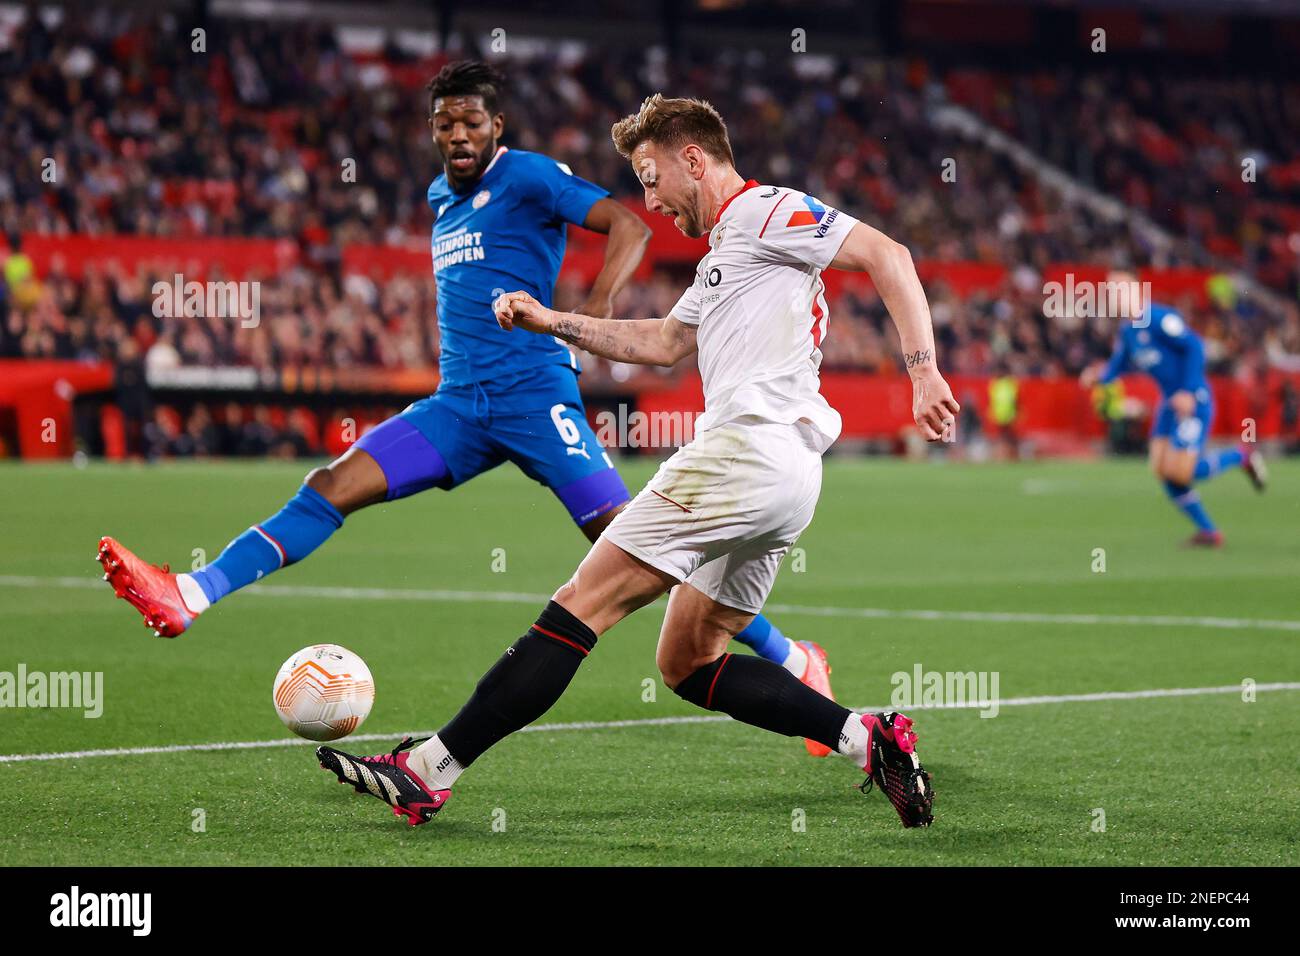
(713, 524)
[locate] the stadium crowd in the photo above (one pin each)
(1212, 159)
(251, 138)
(248, 139)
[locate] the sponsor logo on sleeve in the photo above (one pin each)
(814, 215)
(807, 217)
(826, 223)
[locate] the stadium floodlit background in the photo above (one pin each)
(998, 141)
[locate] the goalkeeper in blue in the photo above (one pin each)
(1161, 344)
(500, 221)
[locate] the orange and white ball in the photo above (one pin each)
(323, 692)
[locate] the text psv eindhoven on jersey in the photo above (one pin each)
(759, 303)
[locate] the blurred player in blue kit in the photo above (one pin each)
(1160, 344)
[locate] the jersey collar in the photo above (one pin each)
(501, 151)
(749, 184)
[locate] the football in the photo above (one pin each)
(323, 692)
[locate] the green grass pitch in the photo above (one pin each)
(1194, 779)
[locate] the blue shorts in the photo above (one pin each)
(535, 420)
(1190, 433)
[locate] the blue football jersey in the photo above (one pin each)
(504, 233)
(1162, 346)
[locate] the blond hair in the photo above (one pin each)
(673, 123)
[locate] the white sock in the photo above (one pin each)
(434, 765)
(195, 600)
(853, 739)
(797, 662)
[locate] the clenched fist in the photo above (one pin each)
(522, 310)
(933, 406)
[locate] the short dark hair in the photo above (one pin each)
(467, 78)
(674, 123)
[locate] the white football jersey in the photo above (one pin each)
(759, 305)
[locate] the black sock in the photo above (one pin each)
(766, 695)
(521, 686)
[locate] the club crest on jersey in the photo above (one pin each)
(807, 217)
(481, 199)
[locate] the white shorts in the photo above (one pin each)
(722, 512)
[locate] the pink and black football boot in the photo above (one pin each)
(150, 590)
(1252, 463)
(893, 765)
(388, 777)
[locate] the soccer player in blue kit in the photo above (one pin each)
(501, 219)
(1160, 344)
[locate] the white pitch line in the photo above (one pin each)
(642, 722)
(864, 613)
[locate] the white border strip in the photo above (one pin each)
(645, 722)
(866, 613)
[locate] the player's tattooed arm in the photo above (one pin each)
(918, 358)
(894, 274)
(636, 341)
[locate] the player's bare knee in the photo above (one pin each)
(321, 481)
(350, 482)
(331, 486)
(673, 668)
(671, 678)
(566, 593)
(328, 484)
(1175, 471)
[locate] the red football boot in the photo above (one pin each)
(1253, 464)
(1205, 539)
(150, 590)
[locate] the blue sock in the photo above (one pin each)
(1210, 464)
(766, 640)
(289, 535)
(1188, 501)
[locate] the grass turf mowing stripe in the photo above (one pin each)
(519, 597)
(647, 722)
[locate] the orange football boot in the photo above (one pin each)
(817, 675)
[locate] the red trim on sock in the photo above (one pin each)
(708, 701)
(279, 548)
(563, 640)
